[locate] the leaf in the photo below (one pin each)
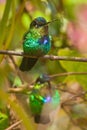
(73, 66)
(70, 2)
(17, 81)
(26, 20)
(3, 121)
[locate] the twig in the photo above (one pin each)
(67, 74)
(16, 68)
(12, 59)
(14, 125)
(24, 88)
(65, 103)
(50, 57)
(28, 88)
(71, 119)
(73, 97)
(8, 52)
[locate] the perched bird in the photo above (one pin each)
(36, 42)
(43, 99)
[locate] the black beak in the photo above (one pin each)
(50, 22)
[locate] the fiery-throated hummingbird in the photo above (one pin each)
(36, 42)
(43, 99)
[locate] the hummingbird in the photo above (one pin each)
(36, 42)
(43, 99)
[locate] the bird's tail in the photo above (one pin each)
(27, 63)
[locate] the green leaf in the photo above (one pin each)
(73, 2)
(4, 21)
(3, 121)
(73, 66)
(17, 81)
(26, 20)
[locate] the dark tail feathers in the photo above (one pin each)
(27, 63)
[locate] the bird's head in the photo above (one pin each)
(40, 24)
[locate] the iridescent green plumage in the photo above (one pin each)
(42, 95)
(36, 42)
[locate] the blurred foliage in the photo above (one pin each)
(74, 66)
(3, 121)
(15, 18)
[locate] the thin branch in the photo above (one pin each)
(25, 87)
(12, 59)
(14, 125)
(73, 97)
(50, 57)
(16, 68)
(22, 89)
(71, 119)
(67, 102)
(67, 74)
(6, 52)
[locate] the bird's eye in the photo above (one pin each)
(34, 24)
